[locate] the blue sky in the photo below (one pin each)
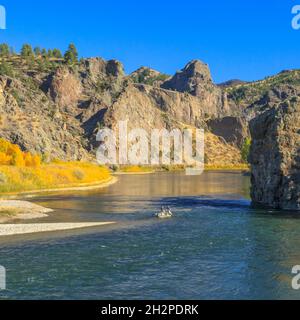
(238, 39)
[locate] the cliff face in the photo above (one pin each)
(45, 111)
(58, 111)
(195, 79)
(233, 130)
(275, 157)
(31, 120)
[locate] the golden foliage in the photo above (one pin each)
(135, 169)
(11, 154)
(51, 176)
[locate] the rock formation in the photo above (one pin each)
(145, 75)
(275, 157)
(58, 112)
(58, 109)
(233, 129)
(195, 79)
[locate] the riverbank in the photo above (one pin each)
(53, 176)
(237, 167)
(140, 170)
(20, 229)
(12, 211)
(21, 210)
(78, 187)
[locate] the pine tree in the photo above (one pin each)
(4, 50)
(50, 53)
(44, 53)
(37, 51)
(26, 51)
(6, 69)
(246, 149)
(71, 55)
(57, 53)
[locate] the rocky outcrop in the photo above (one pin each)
(233, 129)
(150, 108)
(31, 120)
(275, 157)
(65, 88)
(155, 107)
(146, 75)
(195, 79)
(58, 111)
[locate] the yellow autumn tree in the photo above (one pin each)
(11, 154)
(5, 159)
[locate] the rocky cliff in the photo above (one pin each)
(195, 79)
(275, 156)
(57, 111)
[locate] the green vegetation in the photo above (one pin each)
(249, 92)
(4, 50)
(246, 149)
(57, 53)
(9, 212)
(37, 51)
(71, 55)
(12, 63)
(6, 69)
(26, 51)
(145, 77)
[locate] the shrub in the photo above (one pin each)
(246, 149)
(3, 178)
(78, 174)
(11, 154)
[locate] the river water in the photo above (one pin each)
(215, 247)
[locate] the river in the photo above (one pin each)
(215, 247)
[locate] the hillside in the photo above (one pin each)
(55, 109)
(255, 97)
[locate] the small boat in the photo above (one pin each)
(165, 213)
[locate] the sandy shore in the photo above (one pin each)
(24, 210)
(17, 229)
(11, 210)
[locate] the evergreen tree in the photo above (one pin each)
(246, 149)
(57, 53)
(37, 51)
(71, 55)
(50, 53)
(6, 69)
(44, 53)
(4, 50)
(26, 51)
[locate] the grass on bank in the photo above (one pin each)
(172, 168)
(50, 176)
(134, 169)
(9, 212)
(237, 167)
(24, 171)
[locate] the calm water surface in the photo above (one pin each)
(216, 246)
